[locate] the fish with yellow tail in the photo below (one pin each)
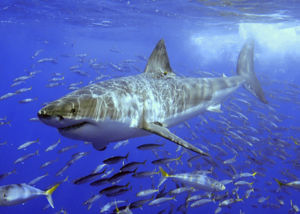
(294, 184)
(14, 194)
(196, 179)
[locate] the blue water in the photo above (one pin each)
(202, 37)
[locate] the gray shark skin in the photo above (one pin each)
(133, 106)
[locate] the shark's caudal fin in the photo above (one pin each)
(245, 68)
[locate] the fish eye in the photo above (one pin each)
(4, 195)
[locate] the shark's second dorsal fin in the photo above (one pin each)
(158, 64)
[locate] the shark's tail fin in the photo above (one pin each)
(245, 68)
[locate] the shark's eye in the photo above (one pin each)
(73, 110)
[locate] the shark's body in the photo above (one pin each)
(134, 106)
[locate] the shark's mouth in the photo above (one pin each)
(72, 127)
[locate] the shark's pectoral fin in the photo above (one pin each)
(99, 146)
(215, 108)
(157, 129)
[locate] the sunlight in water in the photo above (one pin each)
(277, 38)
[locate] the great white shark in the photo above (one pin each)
(150, 102)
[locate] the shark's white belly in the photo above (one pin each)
(103, 132)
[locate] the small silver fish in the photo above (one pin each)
(28, 100)
(107, 206)
(91, 200)
(22, 78)
(54, 84)
(28, 143)
(242, 183)
(43, 60)
(65, 149)
(201, 202)
(147, 192)
(22, 90)
(230, 161)
(17, 83)
(5, 96)
(161, 200)
(25, 157)
(48, 163)
(37, 53)
(53, 146)
(2, 176)
(37, 179)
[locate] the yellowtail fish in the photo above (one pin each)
(165, 160)
(13, 194)
(197, 180)
(294, 184)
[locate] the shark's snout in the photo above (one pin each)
(44, 115)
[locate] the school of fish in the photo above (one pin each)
(248, 139)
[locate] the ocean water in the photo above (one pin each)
(111, 39)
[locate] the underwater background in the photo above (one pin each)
(77, 42)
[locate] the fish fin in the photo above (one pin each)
(165, 133)
(158, 63)
(245, 68)
(163, 172)
(279, 182)
(215, 108)
(224, 75)
(126, 157)
(48, 194)
(253, 174)
(179, 158)
(117, 209)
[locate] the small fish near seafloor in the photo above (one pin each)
(127, 107)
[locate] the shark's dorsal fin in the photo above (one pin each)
(158, 63)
